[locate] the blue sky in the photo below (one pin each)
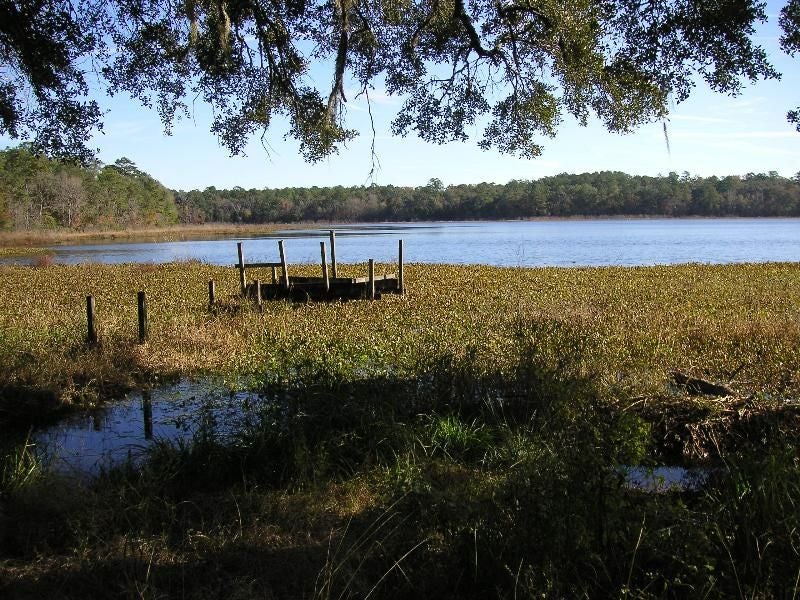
(709, 134)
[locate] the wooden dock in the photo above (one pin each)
(281, 285)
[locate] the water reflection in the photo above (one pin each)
(85, 443)
(664, 479)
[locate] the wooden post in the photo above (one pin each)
(284, 265)
(257, 284)
(147, 413)
(212, 294)
(325, 278)
(274, 276)
(371, 279)
(333, 254)
(91, 333)
(242, 276)
(141, 301)
(400, 267)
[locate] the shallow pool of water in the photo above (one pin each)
(87, 442)
(663, 479)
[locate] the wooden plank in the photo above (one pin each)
(386, 277)
(260, 265)
(372, 279)
(141, 302)
(258, 294)
(341, 281)
(283, 264)
(325, 279)
(242, 277)
(91, 333)
(333, 253)
(400, 267)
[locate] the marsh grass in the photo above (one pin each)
(458, 442)
(21, 465)
(22, 251)
(18, 240)
(735, 324)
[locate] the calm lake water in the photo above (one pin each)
(506, 243)
(88, 441)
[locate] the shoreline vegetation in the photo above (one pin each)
(466, 440)
(107, 202)
(34, 239)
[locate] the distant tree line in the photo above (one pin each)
(38, 193)
(589, 194)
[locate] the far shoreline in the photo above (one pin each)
(40, 238)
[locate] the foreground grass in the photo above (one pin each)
(460, 441)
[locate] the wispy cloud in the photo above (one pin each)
(125, 128)
(741, 105)
(698, 119)
(735, 135)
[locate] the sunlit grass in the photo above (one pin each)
(736, 324)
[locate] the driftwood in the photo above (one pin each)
(695, 385)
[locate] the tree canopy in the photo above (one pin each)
(513, 67)
(37, 193)
(564, 195)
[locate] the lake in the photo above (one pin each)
(625, 242)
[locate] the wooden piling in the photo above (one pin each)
(141, 301)
(91, 333)
(400, 267)
(372, 279)
(212, 294)
(274, 275)
(242, 277)
(326, 281)
(284, 265)
(257, 284)
(333, 254)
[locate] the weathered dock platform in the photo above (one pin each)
(326, 287)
